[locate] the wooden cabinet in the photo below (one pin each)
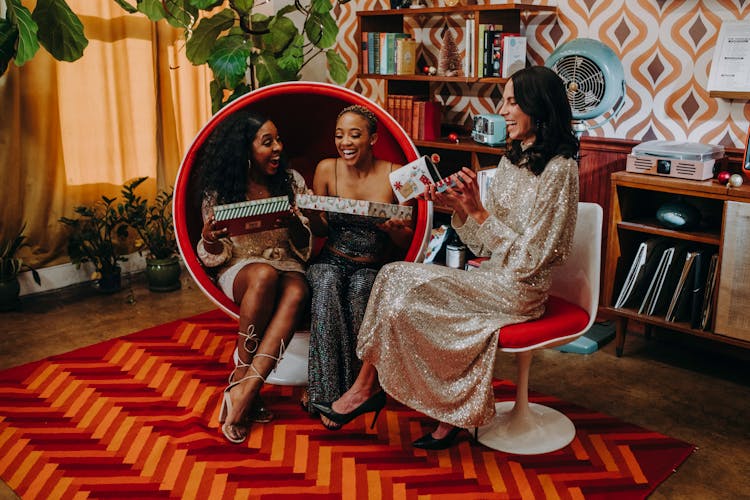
(465, 152)
(634, 201)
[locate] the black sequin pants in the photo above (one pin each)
(340, 290)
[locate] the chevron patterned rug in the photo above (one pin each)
(136, 417)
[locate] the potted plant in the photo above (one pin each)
(155, 229)
(243, 49)
(99, 235)
(10, 266)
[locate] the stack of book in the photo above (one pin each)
(502, 54)
(419, 117)
(673, 280)
(388, 53)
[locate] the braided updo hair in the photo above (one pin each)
(369, 116)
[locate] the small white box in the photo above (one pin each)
(514, 54)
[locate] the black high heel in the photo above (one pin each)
(427, 442)
(375, 403)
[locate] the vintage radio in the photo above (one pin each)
(685, 160)
(489, 129)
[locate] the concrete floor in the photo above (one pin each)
(687, 388)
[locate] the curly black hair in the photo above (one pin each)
(541, 94)
(224, 160)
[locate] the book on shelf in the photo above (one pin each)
(373, 52)
(364, 64)
(481, 29)
(406, 56)
(469, 47)
(513, 53)
(710, 292)
(492, 53)
(640, 272)
(388, 52)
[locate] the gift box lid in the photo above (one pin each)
(680, 150)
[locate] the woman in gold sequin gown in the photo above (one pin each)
(430, 333)
(262, 272)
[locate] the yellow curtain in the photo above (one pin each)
(72, 132)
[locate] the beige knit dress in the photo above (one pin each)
(432, 331)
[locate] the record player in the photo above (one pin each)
(684, 160)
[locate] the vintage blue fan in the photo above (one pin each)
(594, 79)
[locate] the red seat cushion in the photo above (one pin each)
(560, 319)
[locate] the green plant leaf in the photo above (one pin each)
(321, 6)
(179, 13)
(126, 6)
(242, 6)
(268, 71)
(239, 90)
(281, 32)
(199, 45)
(292, 58)
(28, 43)
(260, 22)
(336, 67)
(8, 37)
(60, 30)
(321, 30)
(229, 60)
(130, 9)
(153, 9)
(287, 9)
(217, 96)
(205, 4)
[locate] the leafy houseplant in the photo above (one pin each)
(99, 236)
(10, 266)
(241, 48)
(155, 229)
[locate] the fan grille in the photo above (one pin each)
(584, 82)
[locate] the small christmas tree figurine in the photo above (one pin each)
(449, 62)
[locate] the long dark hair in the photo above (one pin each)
(224, 160)
(540, 93)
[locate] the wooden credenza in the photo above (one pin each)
(724, 229)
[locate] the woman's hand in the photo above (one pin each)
(211, 236)
(468, 195)
(399, 230)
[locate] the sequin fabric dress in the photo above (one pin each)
(340, 290)
(432, 331)
(272, 247)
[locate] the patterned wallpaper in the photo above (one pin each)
(665, 46)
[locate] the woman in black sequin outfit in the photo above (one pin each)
(356, 247)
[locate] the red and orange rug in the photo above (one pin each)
(136, 417)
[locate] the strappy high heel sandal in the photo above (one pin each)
(226, 407)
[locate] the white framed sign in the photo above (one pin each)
(730, 66)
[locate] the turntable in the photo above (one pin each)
(684, 160)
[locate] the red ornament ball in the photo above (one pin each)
(453, 137)
(426, 70)
(723, 176)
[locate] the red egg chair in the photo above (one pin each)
(305, 114)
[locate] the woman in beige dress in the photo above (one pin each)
(430, 333)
